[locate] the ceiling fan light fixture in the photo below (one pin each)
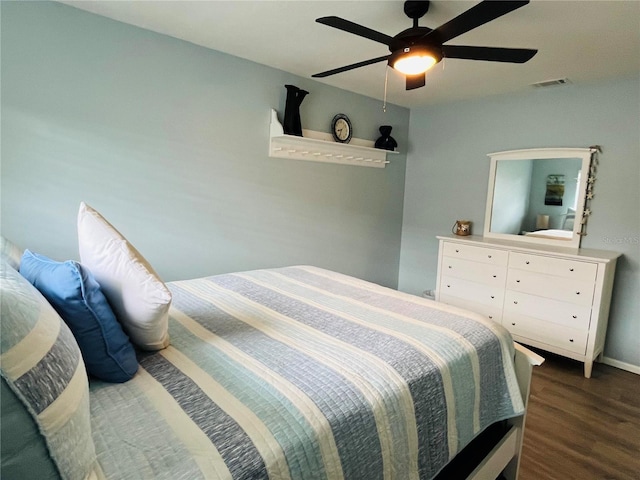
(414, 60)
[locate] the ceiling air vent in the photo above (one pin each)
(552, 83)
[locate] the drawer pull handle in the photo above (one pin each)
(512, 323)
(577, 293)
(448, 286)
(574, 316)
(492, 296)
(495, 276)
(489, 256)
(571, 269)
(490, 317)
(517, 281)
(527, 262)
(571, 340)
(457, 251)
(450, 266)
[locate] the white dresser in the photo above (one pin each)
(556, 299)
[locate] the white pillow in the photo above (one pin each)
(137, 296)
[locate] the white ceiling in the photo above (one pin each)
(584, 41)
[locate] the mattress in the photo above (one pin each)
(303, 373)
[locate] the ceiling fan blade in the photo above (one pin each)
(480, 14)
(415, 81)
(347, 26)
(349, 67)
(489, 54)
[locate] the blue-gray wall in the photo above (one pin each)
(169, 141)
(511, 196)
(570, 168)
(448, 170)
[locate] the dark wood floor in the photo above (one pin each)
(580, 428)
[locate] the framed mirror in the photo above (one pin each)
(538, 195)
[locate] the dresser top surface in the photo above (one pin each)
(583, 253)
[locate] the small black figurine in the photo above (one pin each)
(386, 141)
(292, 124)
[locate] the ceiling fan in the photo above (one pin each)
(416, 49)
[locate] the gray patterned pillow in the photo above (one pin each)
(42, 364)
(23, 451)
(10, 252)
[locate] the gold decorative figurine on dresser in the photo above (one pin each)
(539, 284)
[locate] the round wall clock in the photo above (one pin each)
(341, 128)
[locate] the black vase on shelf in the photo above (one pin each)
(292, 124)
(386, 141)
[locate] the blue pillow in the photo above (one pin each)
(71, 289)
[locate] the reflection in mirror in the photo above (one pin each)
(537, 195)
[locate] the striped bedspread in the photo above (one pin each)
(301, 373)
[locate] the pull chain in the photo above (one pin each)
(384, 103)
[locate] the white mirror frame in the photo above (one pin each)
(584, 154)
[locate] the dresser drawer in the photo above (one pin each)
(476, 254)
(557, 288)
(537, 330)
(491, 312)
(583, 271)
(563, 313)
(472, 291)
(494, 275)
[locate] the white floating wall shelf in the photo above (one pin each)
(320, 147)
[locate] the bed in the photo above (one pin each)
(563, 233)
(286, 373)
(552, 233)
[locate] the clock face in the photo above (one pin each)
(341, 128)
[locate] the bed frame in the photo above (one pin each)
(505, 456)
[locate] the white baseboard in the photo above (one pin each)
(621, 365)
